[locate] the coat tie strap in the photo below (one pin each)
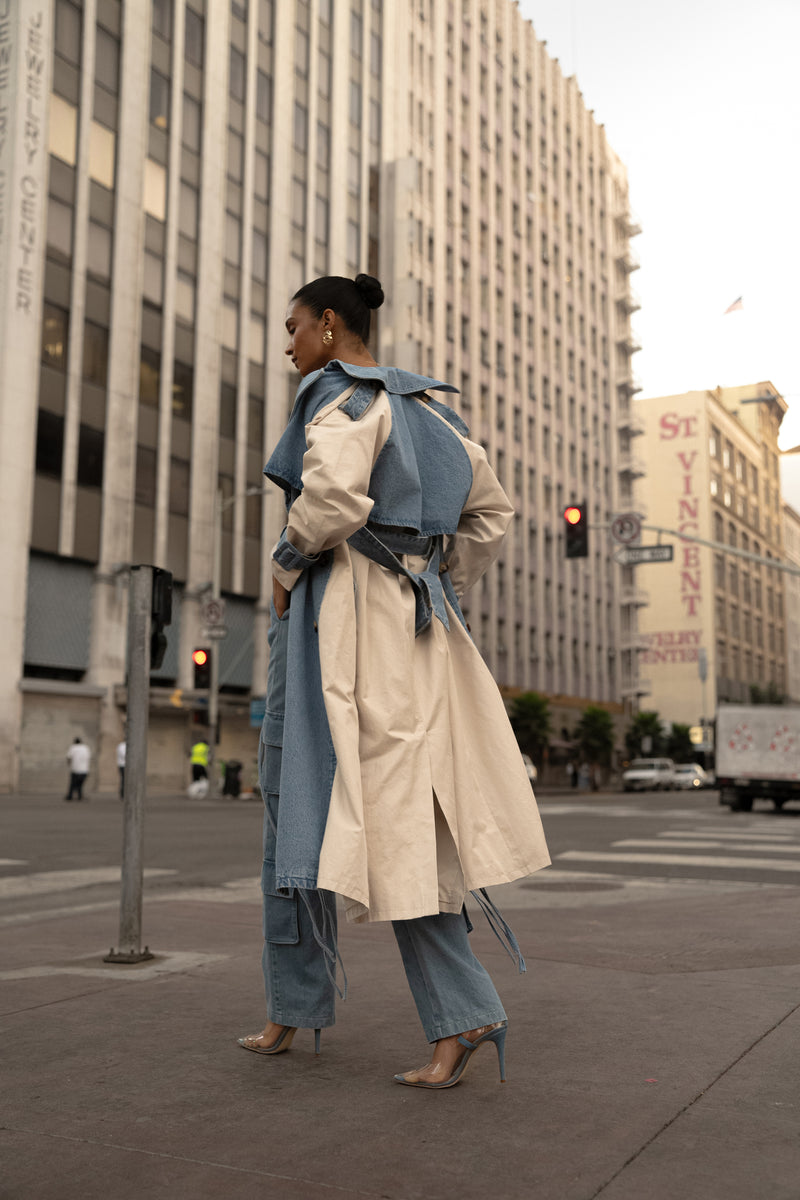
(428, 585)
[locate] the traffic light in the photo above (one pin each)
(202, 668)
(160, 615)
(576, 531)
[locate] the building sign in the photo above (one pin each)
(679, 430)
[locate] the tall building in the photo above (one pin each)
(712, 473)
(791, 550)
(173, 172)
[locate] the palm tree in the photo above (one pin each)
(594, 734)
(530, 719)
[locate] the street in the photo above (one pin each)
(58, 856)
(652, 1042)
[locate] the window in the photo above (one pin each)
(159, 100)
(263, 96)
(300, 128)
(55, 325)
(59, 230)
(106, 60)
(68, 32)
(192, 123)
(149, 376)
(179, 486)
(49, 444)
(98, 251)
(185, 293)
(194, 34)
(236, 79)
(145, 476)
(182, 389)
(90, 456)
(63, 130)
(259, 256)
(162, 18)
(95, 353)
(261, 175)
(102, 148)
(233, 240)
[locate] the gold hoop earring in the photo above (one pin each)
(327, 338)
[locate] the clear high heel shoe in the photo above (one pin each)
(281, 1043)
(496, 1034)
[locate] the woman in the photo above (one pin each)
(389, 769)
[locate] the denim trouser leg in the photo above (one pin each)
(451, 990)
(298, 988)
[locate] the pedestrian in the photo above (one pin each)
(122, 750)
(572, 774)
(390, 772)
(78, 756)
(199, 760)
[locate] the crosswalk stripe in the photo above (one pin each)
(682, 860)
(705, 844)
(13, 862)
(733, 837)
(39, 883)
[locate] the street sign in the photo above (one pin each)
(632, 555)
(627, 527)
(215, 632)
(214, 612)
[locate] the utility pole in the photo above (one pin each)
(138, 686)
(149, 610)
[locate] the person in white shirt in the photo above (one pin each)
(121, 751)
(78, 756)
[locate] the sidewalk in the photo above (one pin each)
(652, 1054)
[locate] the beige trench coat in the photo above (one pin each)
(430, 796)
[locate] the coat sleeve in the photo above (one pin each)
(334, 503)
(485, 518)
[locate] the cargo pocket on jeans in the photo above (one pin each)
(281, 925)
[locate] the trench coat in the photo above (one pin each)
(401, 783)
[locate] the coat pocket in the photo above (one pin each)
(281, 926)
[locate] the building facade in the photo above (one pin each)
(791, 550)
(712, 473)
(175, 170)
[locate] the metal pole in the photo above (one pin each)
(213, 683)
(130, 912)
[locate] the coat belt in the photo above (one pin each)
(430, 585)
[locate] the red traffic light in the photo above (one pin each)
(199, 657)
(573, 515)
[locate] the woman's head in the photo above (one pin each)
(330, 318)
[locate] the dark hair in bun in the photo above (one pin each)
(351, 299)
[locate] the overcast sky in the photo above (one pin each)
(701, 100)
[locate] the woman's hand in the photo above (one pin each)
(280, 596)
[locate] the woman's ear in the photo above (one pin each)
(328, 318)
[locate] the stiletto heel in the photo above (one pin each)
(281, 1043)
(496, 1035)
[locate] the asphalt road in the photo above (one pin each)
(59, 856)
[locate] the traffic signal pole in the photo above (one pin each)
(138, 686)
(213, 680)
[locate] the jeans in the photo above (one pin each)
(452, 990)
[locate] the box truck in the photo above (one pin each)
(758, 754)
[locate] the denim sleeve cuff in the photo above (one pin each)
(289, 557)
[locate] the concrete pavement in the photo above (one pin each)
(652, 1053)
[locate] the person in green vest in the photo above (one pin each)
(199, 760)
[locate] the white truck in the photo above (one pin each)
(758, 754)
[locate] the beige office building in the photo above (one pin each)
(712, 473)
(174, 170)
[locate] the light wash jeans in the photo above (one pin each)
(452, 990)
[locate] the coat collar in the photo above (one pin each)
(401, 383)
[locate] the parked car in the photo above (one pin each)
(689, 776)
(533, 774)
(649, 775)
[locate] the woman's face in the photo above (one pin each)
(306, 348)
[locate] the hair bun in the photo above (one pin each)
(370, 290)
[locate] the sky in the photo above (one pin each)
(701, 101)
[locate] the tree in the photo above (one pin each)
(644, 725)
(679, 745)
(530, 720)
(594, 735)
(767, 695)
